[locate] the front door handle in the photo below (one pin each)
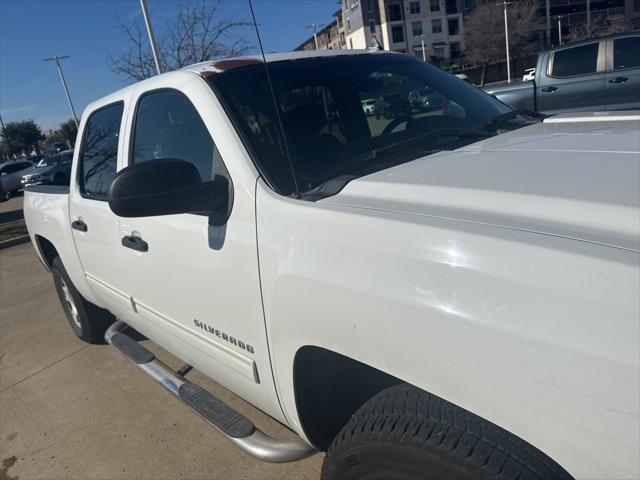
(135, 243)
(549, 89)
(618, 80)
(79, 225)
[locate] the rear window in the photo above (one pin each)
(575, 61)
(12, 168)
(99, 155)
(626, 53)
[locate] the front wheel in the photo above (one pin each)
(404, 433)
(88, 321)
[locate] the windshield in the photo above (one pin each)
(63, 158)
(48, 161)
(328, 133)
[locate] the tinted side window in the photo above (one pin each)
(626, 53)
(575, 61)
(168, 126)
(100, 151)
(12, 168)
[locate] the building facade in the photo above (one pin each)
(429, 29)
(434, 29)
(331, 36)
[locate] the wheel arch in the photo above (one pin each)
(47, 251)
(329, 387)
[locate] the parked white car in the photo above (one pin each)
(442, 295)
(529, 74)
(369, 106)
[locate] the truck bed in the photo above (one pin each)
(517, 94)
(46, 214)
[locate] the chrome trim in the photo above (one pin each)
(258, 444)
(609, 55)
(602, 56)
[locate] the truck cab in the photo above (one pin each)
(395, 290)
(592, 75)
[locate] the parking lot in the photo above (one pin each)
(78, 411)
(14, 204)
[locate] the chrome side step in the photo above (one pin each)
(233, 425)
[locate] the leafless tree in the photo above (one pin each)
(201, 31)
(599, 26)
(484, 32)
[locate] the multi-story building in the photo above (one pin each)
(330, 37)
(434, 29)
(585, 14)
(430, 29)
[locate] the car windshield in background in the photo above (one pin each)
(349, 115)
(55, 160)
(48, 161)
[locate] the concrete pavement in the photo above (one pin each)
(77, 411)
(14, 203)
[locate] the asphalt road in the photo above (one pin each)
(11, 209)
(77, 411)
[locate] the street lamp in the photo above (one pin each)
(152, 38)
(560, 29)
(506, 39)
(315, 27)
(64, 83)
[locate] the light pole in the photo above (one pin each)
(315, 27)
(559, 29)
(152, 38)
(548, 22)
(506, 39)
(424, 55)
(64, 83)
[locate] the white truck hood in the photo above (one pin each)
(572, 176)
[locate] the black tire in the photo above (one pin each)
(89, 322)
(405, 433)
(4, 196)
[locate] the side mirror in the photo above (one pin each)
(167, 187)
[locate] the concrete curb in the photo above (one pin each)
(14, 241)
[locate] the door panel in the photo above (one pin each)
(623, 75)
(95, 228)
(196, 287)
(574, 80)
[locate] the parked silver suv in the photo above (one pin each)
(10, 175)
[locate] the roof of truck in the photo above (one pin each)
(221, 65)
(212, 67)
(591, 40)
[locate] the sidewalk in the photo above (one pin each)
(77, 411)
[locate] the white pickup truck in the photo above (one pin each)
(451, 294)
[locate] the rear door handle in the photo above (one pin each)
(135, 243)
(79, 225)
(549, 89)
(618, 80)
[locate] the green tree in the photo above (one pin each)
(22, 136)
(66, 132)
